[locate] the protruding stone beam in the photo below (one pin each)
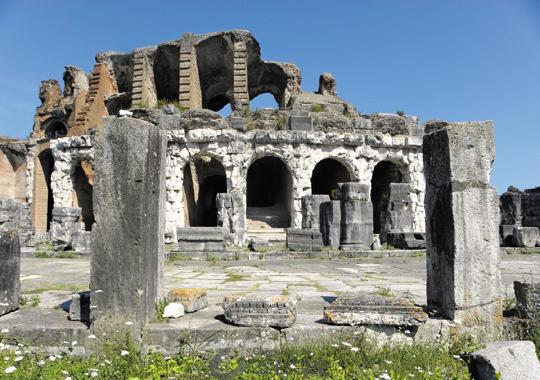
(462, 217)
(129, 207)
(189, 89)
(10, 270)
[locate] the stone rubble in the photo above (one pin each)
(192, 299)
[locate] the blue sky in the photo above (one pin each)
(454, 60)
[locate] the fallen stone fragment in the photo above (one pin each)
(254, 311)
(525, 236)
(192, 299)
(173, 310)
(528, 298)
(506, 360)
(79, 309)
(367, 309)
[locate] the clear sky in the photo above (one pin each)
(455, 60)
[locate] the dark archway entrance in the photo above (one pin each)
(43, 195)
(326, 176)
(269, 193)
(83, 190)
(384, 174)
(204, 178)
(55, 129)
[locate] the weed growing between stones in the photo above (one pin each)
(350, 357)
(384, 292)
(159, 308)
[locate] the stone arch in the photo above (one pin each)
(12, 175)
(384, 173)
(326, 175)
(204, 177)
(269, 192)
(82, 179)
(55, 128)
(43, 202)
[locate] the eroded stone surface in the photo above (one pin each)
(525, 236)
(528, 298)
(192, 299)
(256, 311)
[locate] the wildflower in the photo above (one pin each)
(346, 344)
(385, 376)
(93, 374)
(65, 372)
(10, 369)
(74, 343)
(52, 358)
(388, 362)
(292, 366)
(4, 331)
(311, 354)
(18, 358)
(354, 349)
(68, 378)
(92, 337)
(41, 363)
(107, 361)
(129, 323)
(124, 353)
(334, 345)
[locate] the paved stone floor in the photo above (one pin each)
(316, 281)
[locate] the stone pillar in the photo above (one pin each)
(143, 88)
(129, 207)
(462, 217)
(65, 225)
(356, 216)
(240, 77)
(511, 207)
(331, 223)
(311, 205)
(10, 270)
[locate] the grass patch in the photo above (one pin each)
(384, 291)
(33, 301)
(52, 287)
(233, 277)
(347, 358)
(317, 108)
(163, 102)
(161, 304)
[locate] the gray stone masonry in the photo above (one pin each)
(356, 216)
(399, 215)
(276, 311)
(331, 223)
(530, 206)
(506, 233)
(311, 206)
(65, 225)
(14, 214)
(525, 236)
(406, 240)
(303, 240)
(462, 223)
(368, 309)
(506, 360)
(129, 207)
(10, 269)
(200, 239)
(527, 298)
(511, 207)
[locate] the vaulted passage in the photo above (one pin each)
(82, 187)
(384, 174)
(55, 129)
(269, 193)
(43, 196)
(326, 176)
(204, 179)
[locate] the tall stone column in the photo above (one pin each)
(462, 217)
(356, 216)
(129, 207)
(10, 270)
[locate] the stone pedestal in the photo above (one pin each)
(356, 216)
(462, 223)
(65, 225)
(331, 223)
(399, 216)
(311, 206)
(129, 207)
(303, 240)
(10, 270)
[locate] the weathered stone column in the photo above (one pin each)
(356, 216)
(331, 223)
(10, 270)
(129, 206)
(462, 217)
(311, 206)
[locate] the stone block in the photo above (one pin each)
(462, 224)
(81, 242)
(64, 226)
(527, 298)
(173, 310)
(200, 239)
(311, 206)
(10, 270)
(299, 120)
(331, 223)
(525, 236)
(258, 244)
(356, 216)
(506, 234)
(399, 217)
(79, 308)
(254, 311)
(406, 240)
(506, 360)
(530, 207)
(511, 208)
(238, 123)
(304, 240)
(129, 208)
(367, 309)
(193, 299)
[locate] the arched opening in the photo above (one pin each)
(83, 189)
(269, 193)
(12, 175)
(43, 196)
(264, 100)
(204, 179)
(326, 176)
(384, 174)
(55, 129)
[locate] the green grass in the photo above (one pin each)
(233, 277)
(349, 357)
(317, 108)
(384, 292)
(46, 287)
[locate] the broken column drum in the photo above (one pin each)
(462, 217)
(356, 216)
(127, 238)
